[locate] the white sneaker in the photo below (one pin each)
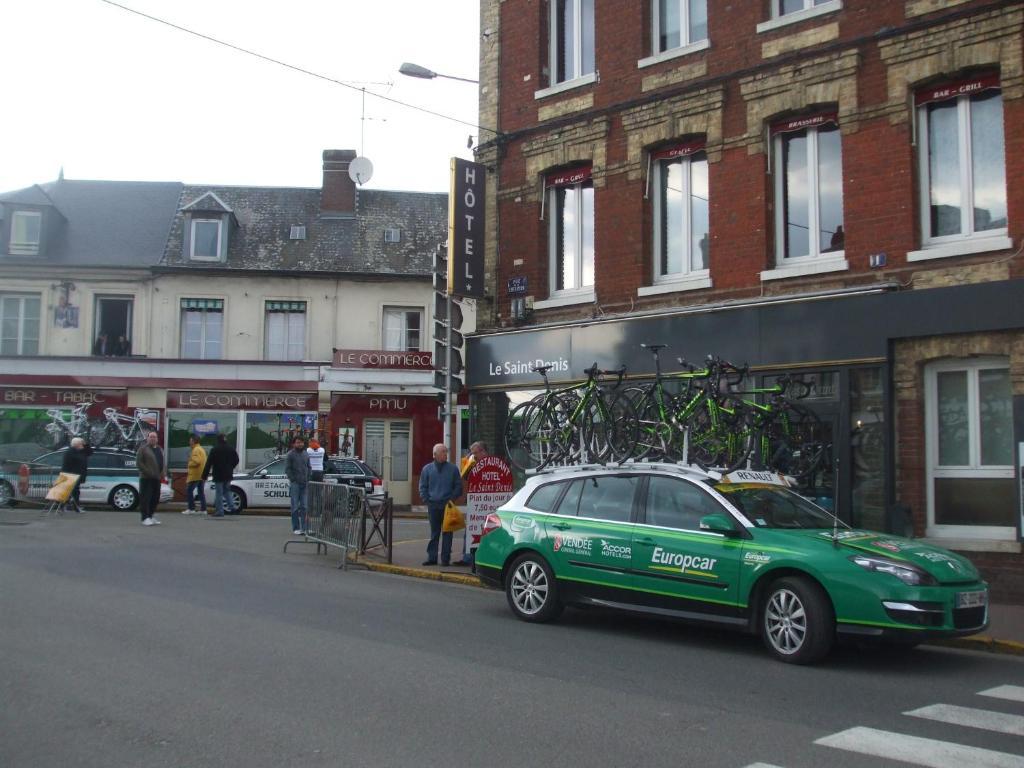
(155, 521)
(148, 521)
(297, 532)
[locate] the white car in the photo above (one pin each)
(112, 479)
(267, 485)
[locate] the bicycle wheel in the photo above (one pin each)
(653, 433)
(708, 442)
(519, 431)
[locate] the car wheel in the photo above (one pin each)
(123, 498)
(6, 494)
(796, 621)
(531, 589)
(237, 500)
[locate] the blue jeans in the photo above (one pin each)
(222, 494)
(297, 495)
(436, 515)
(194, 489)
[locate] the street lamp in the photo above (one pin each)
(415, 70)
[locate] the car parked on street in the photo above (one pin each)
(112, 479)
(267, 485)
(743, 550)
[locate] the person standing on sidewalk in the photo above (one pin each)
(477, 451)
(150, 462)
(76, 462)
(316, 460)
(440, 483)
(221, 465)
(297, 470)
(196, 465)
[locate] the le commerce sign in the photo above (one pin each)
(369, 358)
(243, 401)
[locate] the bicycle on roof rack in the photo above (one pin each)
(120, 430)
(65, 425)
(578, 423)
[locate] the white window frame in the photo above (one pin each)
(968, 241)
(26, 248)
(287, 342)
(974, 469)
(816, 261)
(685, 39)
(392, 235)
(577, 42)
(21, 299)
(192, 235)
(809, 11)
(688, 278)
(584, 292)
(394, 310)
(203, 353)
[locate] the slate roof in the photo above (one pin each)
(106, 223)
(333, 243)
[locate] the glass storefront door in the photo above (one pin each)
(387, 448)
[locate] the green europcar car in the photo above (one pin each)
(743, 550)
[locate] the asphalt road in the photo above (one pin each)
(199, 643)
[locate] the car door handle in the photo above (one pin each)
(561, 526)
(646, 541)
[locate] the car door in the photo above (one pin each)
(588, 540)
(269, 486)
(677, 565)
(104, 472)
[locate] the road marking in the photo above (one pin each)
(1008, 692)
(762, 765)
(972, 718)
(918, 751)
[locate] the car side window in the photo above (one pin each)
(544, 498)
(105, 461)
(608, 497)
(52, 460)
(348, 468)
(570, 503)
(275, 468)
(676, 503)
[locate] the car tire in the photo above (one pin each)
(237, 500)
(123, 498)
(6, 494)
(531, 589)
(797, 623)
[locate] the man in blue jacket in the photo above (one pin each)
(440, 483)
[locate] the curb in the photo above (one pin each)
(974, 643)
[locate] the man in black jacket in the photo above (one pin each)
(221, 464)
(76, 462)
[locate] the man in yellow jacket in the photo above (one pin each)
(196, 464)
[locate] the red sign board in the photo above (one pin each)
(678, 150)
(244, 401)
(955, 89)
(569, 177)
(806, 121)
(375, 358)
(66, 397)
(488, 486)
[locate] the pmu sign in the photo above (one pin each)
(466, 229)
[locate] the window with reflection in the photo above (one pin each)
(678, 23)
(962, 160)
(571, 231)
(572, 39)
(681, 219)
(808, 158)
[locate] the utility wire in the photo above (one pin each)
(293, 67)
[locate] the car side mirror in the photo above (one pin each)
(262, 473)
(718, 524)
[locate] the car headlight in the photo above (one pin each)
(905, 572)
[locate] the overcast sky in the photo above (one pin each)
(109, 95)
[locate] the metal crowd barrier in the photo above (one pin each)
(334, 518)
(24, 483)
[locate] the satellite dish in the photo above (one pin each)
(360, 170)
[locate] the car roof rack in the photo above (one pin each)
(673, 467)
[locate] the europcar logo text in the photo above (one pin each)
(694, 565)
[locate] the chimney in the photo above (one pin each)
(338, 194)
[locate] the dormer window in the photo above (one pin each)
(26, 227)
(206, 235)
(392, 235)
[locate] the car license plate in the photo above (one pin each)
(971, 599)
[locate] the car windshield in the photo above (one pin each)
(771, 506)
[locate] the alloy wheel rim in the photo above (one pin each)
(529, 587)
(785, 622)
(123, 499)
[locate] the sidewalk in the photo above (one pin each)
(1005, 633)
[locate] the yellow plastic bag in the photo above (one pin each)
(454, 520)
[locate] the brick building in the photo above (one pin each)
(830, 187)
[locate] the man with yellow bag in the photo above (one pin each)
(440, 483)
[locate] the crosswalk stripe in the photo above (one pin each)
(918, 751)
(972, 718)
(1008, 692)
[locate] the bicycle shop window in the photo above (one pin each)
(285, 337)
(680, 184)
(570, 202)
(202, 329)
(403, 329)
(207, 424)
(969, 448)
(571, 35)
(962, 167)
(808, 170)
(19, 324)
